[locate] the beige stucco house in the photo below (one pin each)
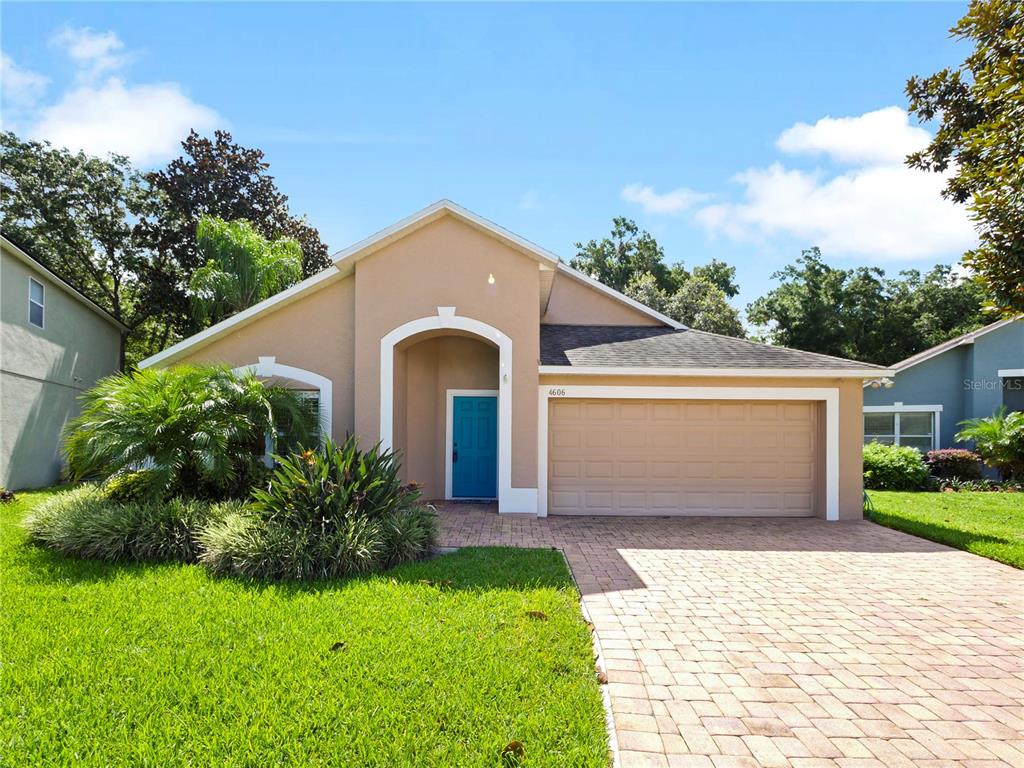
(500, 372)
(54, 344)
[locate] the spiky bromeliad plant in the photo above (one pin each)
(324, 513)
(195, 431)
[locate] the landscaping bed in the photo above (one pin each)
(434, 663)
(987, 524)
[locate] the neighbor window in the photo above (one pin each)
(913, 428)
(35, 303)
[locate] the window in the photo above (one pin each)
(913, 428)
(35, 303)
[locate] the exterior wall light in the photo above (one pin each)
(490, 279)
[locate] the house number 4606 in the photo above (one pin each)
(556, 393)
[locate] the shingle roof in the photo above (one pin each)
(656, 347)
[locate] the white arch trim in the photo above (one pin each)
(509, 499)
(268, 367)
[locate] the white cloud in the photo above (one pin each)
(103, 112)
(879, 209)
(676, 201)
(144, 122)
(21, 87)
(882, 137)
(95, 53)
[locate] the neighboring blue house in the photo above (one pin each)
(968, 377)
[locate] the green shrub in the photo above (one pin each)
(196, 431)
(324, 514)
(129, 486)
(85, 522)
(949, 463)
(893, 468)
(999, 440)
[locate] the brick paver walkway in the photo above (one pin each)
(803, 643)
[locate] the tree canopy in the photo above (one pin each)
(860, 314)
(631, 260)
(241, 268)
(980, 108)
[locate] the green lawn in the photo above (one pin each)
(987, 524)
(431, 664)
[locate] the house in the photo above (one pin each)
(54, 344)
(969, 377)
(501, 373)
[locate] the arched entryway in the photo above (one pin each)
(432, 370)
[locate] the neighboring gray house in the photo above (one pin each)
(968, 377)
(54, 344)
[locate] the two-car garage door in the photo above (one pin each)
(683, 457)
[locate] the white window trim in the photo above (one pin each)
(510, 500)
(268, 367)
(41, 305)
(449, 429)
(830, 396)
(897, 408)
(1009, 373)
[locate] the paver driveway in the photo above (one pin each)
(734, 642)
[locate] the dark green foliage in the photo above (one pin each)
(86, 522)
(999, 440)
(631, 261)
(324, 514)
(949, 463)
(197, 430)
(862, 315)
(980, 109)
(893, 468)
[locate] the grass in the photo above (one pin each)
(987, 524)
(431, 664)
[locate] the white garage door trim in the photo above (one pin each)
(830, 396)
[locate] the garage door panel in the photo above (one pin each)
(636, 457)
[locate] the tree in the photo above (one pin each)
(216, 177)
(980, 106)
(859, 314)
(242, 268)
(632, 261)
(77, 215)
(999, 440)
(629, 252)
(697, 303)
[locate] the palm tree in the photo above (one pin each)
(241, 268)
(999, 440)
(193, 430)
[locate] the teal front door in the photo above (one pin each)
(475, 447)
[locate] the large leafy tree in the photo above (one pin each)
(77, 215)
(631, 260)
(241, 268)
(980, 107)
(697, 303)
(860, 314)
(217, 177)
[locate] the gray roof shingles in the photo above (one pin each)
(658, 347)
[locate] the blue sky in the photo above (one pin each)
(548, 119)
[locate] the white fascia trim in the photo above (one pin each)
(1010, 372)
(900, 407)
(205, 337)
(268, 367)
(828, 395)
(378, 240)
(819, 373)
(938, 349)
(75, 293)
(620, 297)
(509, 499)
(449, 437)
